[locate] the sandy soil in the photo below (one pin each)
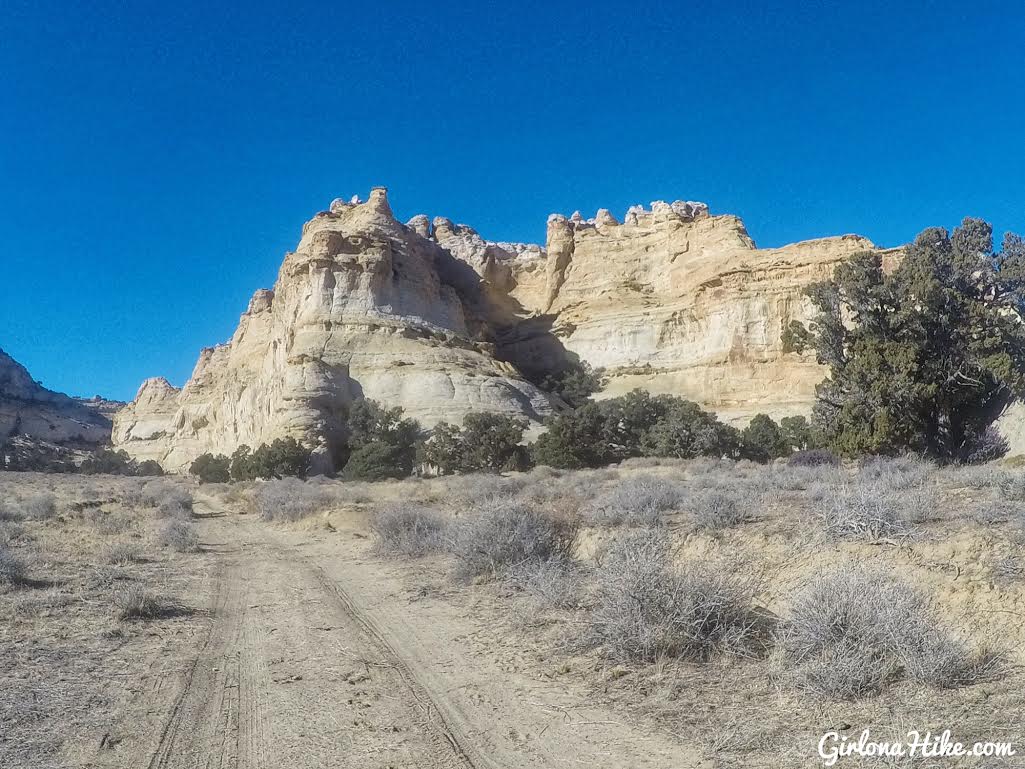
(316, 656)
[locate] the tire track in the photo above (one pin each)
(432, 717)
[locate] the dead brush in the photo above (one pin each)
(40, 507)
(13, 570)
(136, 602)
(864, 511)
(122, 553)
(853, 630)
(499, 535)
(408, 529)
(288, 499)
(715, 510)
(640, 501)
(179, 536)
(645, 609)
(554, 583)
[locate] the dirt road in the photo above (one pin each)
(318, 656)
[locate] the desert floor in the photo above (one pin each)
(299, 645)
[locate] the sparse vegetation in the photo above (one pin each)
(288, 499)
(648, 610)
(865, 511)
(853, 631)
(721, 508)
(499, 535)
(641, 501)
(13, 570)
(179, 536)
(136, 602)
(408, 529)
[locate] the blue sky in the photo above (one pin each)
(157, 160)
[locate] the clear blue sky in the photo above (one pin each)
(158, 159)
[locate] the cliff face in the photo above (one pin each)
(30, 411)
(365, 306)
(432, 317)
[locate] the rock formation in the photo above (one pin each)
(364, 307)
(30, 411)
(432, 317)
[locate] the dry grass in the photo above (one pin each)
(62, 644)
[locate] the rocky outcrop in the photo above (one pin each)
(29, 411)
(364, 307)
(432, 317)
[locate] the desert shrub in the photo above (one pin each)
(111, 523)
(721, 509)
(154, 493)
(408, 529)
(640, 501)
(976, 476)
(13, 570)
(554, 583)
(498, 535)
(136, 602)
(149, 467)
(1009, 568)
(288, 499)
(1011, 486)
(762, 440)
(485, 443)
(178, 535)
(852, 631)
(864, 511)
(122, 553)
(9, 512)
(987, 447)
(895, 473)
(210, 468)
(108, 462)
(814, 458)
(645, 609)
(40, 507)
(12, 532)
(177, 505)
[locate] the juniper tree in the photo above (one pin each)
(924, 357)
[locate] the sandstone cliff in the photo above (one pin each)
(30, 411)
(364, 307)
(432, 317)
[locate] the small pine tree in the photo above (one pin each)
(211, 468)
(762, 440)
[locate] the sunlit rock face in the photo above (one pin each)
(364, 307)
(29, 410)
(432, 317)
